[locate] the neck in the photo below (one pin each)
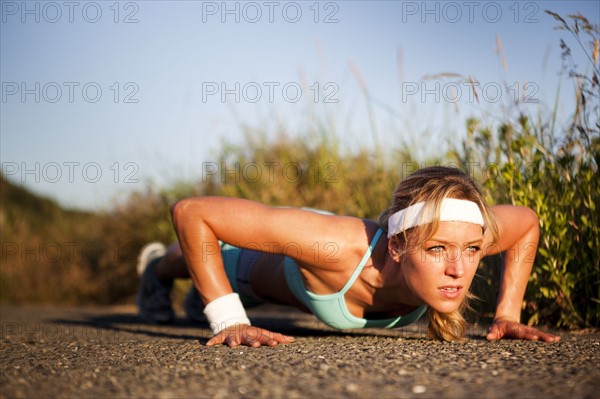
(387, 280)
(397, 284)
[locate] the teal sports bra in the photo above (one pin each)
(331, 309)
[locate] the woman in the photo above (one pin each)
(419, 257)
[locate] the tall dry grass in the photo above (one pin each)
(529, 161)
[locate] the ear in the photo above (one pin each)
(394, 248)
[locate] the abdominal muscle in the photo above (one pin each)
(268, 281)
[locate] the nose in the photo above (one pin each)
(455, 270)
(455, 266)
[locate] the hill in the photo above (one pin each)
(20, 209)
(49, 254)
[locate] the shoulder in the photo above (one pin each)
(334, 241)
(513, 223)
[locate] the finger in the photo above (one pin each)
(494, 333)
(548, 337)
(216, 340)
(266, 339)
(231, 341)
(272, 339)
(282, 338)
(518, 331)
(542, 335)
(254, 343)
(526, 332)
(254, 337)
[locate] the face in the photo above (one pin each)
(439, 271)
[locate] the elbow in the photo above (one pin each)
(180, 210)
(176, 208)
(533, 221)
(533, 218)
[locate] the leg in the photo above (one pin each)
(172, 265)
(154, 292)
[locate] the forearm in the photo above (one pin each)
(517, 264)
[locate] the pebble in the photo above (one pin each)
(352, 387)
(418, 389)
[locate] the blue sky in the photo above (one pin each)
(102, 98)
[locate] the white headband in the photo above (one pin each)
(452, 210)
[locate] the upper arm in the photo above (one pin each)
(514, 224)
(308, 236)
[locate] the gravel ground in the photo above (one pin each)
(109, 352)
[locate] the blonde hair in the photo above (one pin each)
(432, 185)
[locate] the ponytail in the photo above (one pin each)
(449, 326)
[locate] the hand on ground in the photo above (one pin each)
(503, 329)
(242, 334)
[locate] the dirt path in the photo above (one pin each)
(108, 352)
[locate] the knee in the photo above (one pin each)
(175, 249)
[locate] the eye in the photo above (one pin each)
(435, 248)
(473, 249)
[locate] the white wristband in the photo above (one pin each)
(225, 311)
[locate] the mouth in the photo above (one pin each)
(451, 291)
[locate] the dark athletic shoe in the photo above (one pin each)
(154, 295)
(194, 307)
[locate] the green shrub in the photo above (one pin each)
(555, 172)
